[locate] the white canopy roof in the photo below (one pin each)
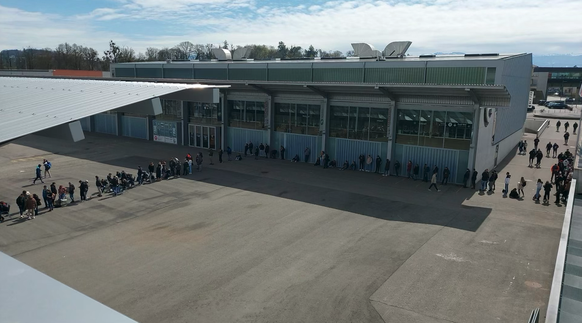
(29, 105)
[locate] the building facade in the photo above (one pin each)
(447, 111)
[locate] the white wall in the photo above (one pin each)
(485, 156)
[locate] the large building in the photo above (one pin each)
(558, 81)
(458, 112)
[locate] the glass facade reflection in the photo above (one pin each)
(246, 114)
(298, 118)
(361, 123)
(439, 129)
(204, 113)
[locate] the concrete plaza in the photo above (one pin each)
(273, 241)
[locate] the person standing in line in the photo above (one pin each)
(435, 169)
(306, 154)
(446, 173)
(524, 146)
(54, 189)
(520, 186)
(44, 196)
(574, 126)
(387, 168)
(433, 182)
(38, 203)
(566, 125)
(246, 148)
(566, 136)
(532, 156)
(484, 180)
(369, 162)
(30, 206)
(539, 186)
(256, 153)
(38, 175)
(548, 149)
(539, 156)
(555, 169)
(47, 168)
(220, 155)
(267, 150)
(492, 179)
(139, 175)
(378, 163)
(558, 124)
(536, 142)
(210, 154)
(199, 161)
(21, 203)
(409, 169)
(251, 146)
(72, 192)
(547, 190)
(397, 168)
(558, 191)
(506, 190)
(415, 171)
(362, 159)
(261, 148)
(426, 173)
(520, 146)
(228, 153)
(555, 150)
(282, 152)
(465, 177)
(474, 178)
(50, 199)
(185, 166)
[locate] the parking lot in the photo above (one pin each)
(271, 241)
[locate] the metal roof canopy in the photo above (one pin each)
(483, 95)
(23, 287)
(29, 105)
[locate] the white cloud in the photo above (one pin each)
(432, 25)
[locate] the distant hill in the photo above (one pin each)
(557, 60)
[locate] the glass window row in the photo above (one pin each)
(360, 123)
(298, 118)
(246, 114)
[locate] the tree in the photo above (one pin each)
(350, 53)
(225, 44)
(282, 50)
(310, 52)
(164, 54)
(126, 55)
(262, 52)
(151, 53)
(330, 54)
(112, 54)
(295, 52)
(184, 50)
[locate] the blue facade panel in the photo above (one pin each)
(106, 123)
(350, 150)
(432, 156)
(134, 127)
(238, 137)
(295, 145)
(85, 123)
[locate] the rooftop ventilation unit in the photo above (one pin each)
(365, 50)
(396, 49)
(222, 54)
(241, 53)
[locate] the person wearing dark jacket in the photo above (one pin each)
(378, 163)
(536, 143)
(446, 173)
(555, 149)
(267, 150)
(415, 171)
(21, 202)
(246, 148)
(426, 173)
(532, 156)
(54, 189)
(539, 156)
(466, 177)
(387, 168)
(37, 200)
(558, 124)
(251, 147)
(38, 174)
(566, 125)
(397, 168)
(282, 150)
(484, 180)
(474, 178)
(220, 156)
(492, 179)
(256, 153)
(362, 159)
(574, 126)
(548, 149)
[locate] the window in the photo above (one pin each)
(203, 113)
(407, 127)
(361, 123)
(297, 118)
(171, 110)
(246, 114)
(378, 124)
(459, 130)
(338, 125)
(490, 77)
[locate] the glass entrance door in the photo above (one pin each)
(202, 136)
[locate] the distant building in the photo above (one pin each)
(565, 81)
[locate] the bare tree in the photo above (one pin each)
(184, 50)
(151, 53)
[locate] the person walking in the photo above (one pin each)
(555, 169)
(547, 190)
(474, 178)
(532, 156)
(220, 152)
(484, 180)
(378, 163)
(520, 146)
(566, 136)
(228, 153)
(548, 149)
(574, 126)
(539, 186)
(409, 169)
(536, 142)
(492, 179)
(47, 168)
(466, 177)
(506, 190)
(38, 175)
(282, 151)
(433, 182)
(387, 168)
(306, 154)
(566, 125)
(415, 171)
(558, 124)
(520, 186)
(446, 173)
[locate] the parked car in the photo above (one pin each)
(531, 108)
(542, 102)
(547, 104)
(570, 100)
(558, 105)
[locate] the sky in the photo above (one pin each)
(469, 26)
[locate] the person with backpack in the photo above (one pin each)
(50, 199)
(37, 204)
(47, 168)
(539, 156)
(30, 206)
(532, 156)
(72, 192)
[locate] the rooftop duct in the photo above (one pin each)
(241, 53)
(396, 49)
(365, 50)
(222, 54)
